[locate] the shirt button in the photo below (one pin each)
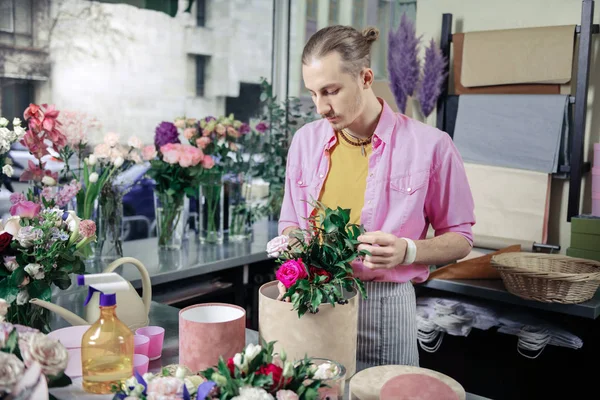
(321, 175)
(369, 202)
(408, 189)
(300, 183)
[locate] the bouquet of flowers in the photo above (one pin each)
(177, 170)
(26, 356)
(39, 247)
(255, 373)
(316, 262)
(7, 138)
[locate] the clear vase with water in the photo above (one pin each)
(171, 213)
(211, 209)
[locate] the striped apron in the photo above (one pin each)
(387, 326)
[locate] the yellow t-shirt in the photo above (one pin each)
(347, 178)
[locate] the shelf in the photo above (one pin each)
(494, 290)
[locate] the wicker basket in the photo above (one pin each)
(549, 278)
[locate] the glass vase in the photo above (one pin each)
(211, 210)
(109, 246)
(171, 213)
(239, 211)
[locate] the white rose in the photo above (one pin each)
(19, 132)
(118, 162)
(3, 308)
(93, 177)
(11, 371)
(251, 352)
(92, 160)
(253, 393)
(277, 245)
(48, 181)
(7, 170)
(48, 352)
(36, 271)
(10, 262)
(325, 371)
(72, 221)
(22, 297)
(3, 122)
(16, 121)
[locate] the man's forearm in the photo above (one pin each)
(443, 249)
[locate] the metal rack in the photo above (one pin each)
(574, 167)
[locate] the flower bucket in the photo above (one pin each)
(329, 334)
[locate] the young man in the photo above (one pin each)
(397, 176)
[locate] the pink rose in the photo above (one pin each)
(220, 129)
(206, 132)
(189, 133)
(202, 142)
(208, 162)
(170, 153)
(25, 209)
(290, 272)
(149, 152)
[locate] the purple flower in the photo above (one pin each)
(434, 73)
(208, 119)
(244, 128)
(166, 133)
(403, 61)
(262, 127)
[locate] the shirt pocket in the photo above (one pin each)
(408, 193)
(301, 180)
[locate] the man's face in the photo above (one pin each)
(337, 95)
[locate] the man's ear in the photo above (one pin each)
(367, 78)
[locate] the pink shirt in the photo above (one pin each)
(416, 178)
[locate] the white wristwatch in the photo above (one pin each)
(411, 252)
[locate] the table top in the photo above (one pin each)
(168, 318)
(194, 258)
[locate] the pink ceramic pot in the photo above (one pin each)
(209, 331)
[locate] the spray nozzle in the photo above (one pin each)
(107, 284)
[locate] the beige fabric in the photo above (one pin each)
(523, 55)
(510, 203)
(331, 333)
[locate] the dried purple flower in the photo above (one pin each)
(166, 133)
(434, 73)
(403, 61)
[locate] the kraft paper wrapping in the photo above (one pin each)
(517, 56)
(472, 268)
(367, 384)
(330, 334)
(202, 343)
(510, 203)
(459, 88)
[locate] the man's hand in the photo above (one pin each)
(282, 291)
(387, 250)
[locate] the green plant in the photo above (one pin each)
(316, 264)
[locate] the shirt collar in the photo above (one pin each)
(383, 131)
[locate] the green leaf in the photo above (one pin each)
(317, 299)
(4, 272)
(8, 292)
(62, 280)
(17, 276)
(12, 342)
(40, 290)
